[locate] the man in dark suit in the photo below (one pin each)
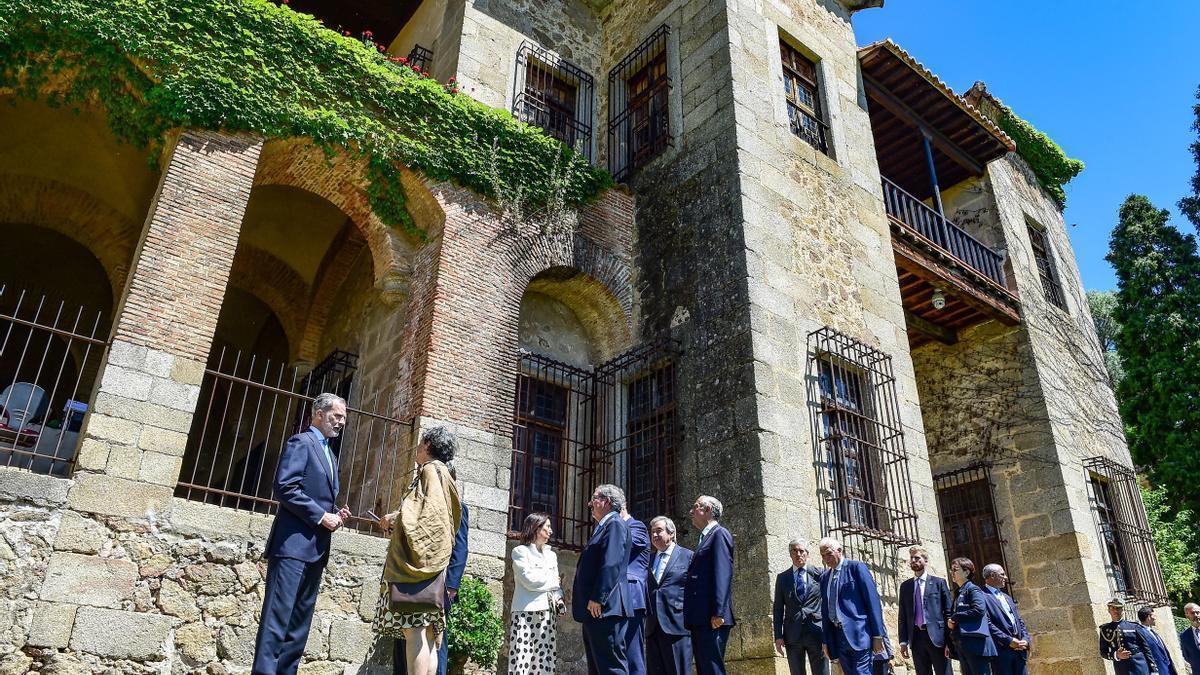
(851, 616)
(306, 486)
(454, 575)
(797, 613)
(708, 594)
(1008, 628)
(635, 573)
(925, 602)
(1123, 643)
(668, 641)
(1158, 648)
(1189, 638)
(600, 593)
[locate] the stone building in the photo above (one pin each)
(828, 290)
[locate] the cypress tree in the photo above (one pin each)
(1158, 339)
(1190, 205)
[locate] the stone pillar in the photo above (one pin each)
(135, 436)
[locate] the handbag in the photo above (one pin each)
(419, 596)
(557, 603)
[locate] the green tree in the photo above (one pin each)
(475, 628)
(1158, 339)
(1175, 542)
(1103, 304)
(1190, 205)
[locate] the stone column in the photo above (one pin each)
(135, 436)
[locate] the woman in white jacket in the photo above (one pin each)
(537, 600)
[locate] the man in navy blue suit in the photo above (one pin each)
(923, 622)
(1189, 638)
(708, 593)
(796, 614)
(1008, 628)
(668, 641)
(635, 573)
(600, 592)
(454, 575)
(851, 615)
(306, 486)
(1158, 648)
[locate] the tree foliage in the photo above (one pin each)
(1190, 205)
(254, 66)
(1158, 339)
(1175, 541)
(1103, 305)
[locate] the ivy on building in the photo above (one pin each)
(253, 66)
(1050, 164)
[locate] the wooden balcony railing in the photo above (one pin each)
(942, 233)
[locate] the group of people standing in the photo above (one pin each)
(426, 554)
(645, 604)
(835, 614)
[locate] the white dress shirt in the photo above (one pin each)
(661, 560)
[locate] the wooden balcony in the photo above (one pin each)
(933, 255)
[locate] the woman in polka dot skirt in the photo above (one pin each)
(537, 600)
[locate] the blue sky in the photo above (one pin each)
(1113, 83)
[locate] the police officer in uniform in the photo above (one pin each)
(1122, 643)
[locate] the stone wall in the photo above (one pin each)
(170, 591)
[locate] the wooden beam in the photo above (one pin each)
(901, 110)
(942, 334)
(921, 264)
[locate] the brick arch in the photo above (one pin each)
(338, 262)
(76, 214)
(280, 288)
(341, 180)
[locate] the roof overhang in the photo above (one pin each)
(906, 102)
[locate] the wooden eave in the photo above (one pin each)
(907, 101)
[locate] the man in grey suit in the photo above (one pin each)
(797, 613)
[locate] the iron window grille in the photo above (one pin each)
(575, 428)
(420, 58)
(556, 95)
(51, 353)
(860, 440)
(970, 528)
(1043, 257)
(1124, 530)
(803, 95)
(639, 120)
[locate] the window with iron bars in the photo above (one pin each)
(1043, 257)
(420, 58)
(575, 428)
(639, 120)
(556, 95)
(860, 440)
(970, 528)
(803, 95)
(1124, 530)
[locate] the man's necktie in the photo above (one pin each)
(328, 455)
(919, 602)
(659, 565)
(700, 542)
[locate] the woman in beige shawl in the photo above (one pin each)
(422, 532)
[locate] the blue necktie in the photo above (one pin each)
(328, 455)
(799, 574)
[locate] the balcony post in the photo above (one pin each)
(933, 179)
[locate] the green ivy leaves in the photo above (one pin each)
(252, 66)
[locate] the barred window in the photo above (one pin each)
(803, 96)
(860, 440)
(1124, 531)
(1043, 257)
(576, 428)
(556, 95)
(639, 123)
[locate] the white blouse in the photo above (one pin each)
(536, 574)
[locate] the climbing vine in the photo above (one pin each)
(253, 66)
(1050, 164)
